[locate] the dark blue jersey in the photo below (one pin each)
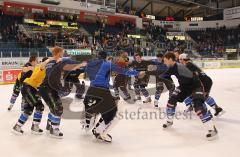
(160, 66)
(99, 72)
(54, 72)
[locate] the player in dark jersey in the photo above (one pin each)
(158, 65)
(140, 84)
(33, 100)
(207, 83)
(189, 85)
(27, 71)
(98, 99)
(71, 78)
(51, 86)
(121, 80)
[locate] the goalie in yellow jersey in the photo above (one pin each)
(30, 95)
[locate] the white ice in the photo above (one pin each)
(132, 138)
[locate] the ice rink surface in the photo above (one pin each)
(137, 137)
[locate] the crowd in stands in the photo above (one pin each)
(155, 33)
(209, 42)
(61, 38)
(105, 39)
(9, 33)
(8, 27)
(171, 45)
(104, 36)
(111, 38)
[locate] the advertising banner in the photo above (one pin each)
(12, 63)
(212, 65)
(9, 76)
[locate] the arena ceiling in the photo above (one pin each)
(179, 8)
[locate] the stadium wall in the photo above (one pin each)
(11, 67)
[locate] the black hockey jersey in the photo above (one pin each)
(186, 77)
(140, 66)
(54, 73)
(204, 78)
(25, 75)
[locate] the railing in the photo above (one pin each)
(11, 54)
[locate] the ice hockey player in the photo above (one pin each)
(207, 83)
(160, 80)
(52, 85)
(33, 100)
(98, 99)
(27, 71)
(189, 85)
(121, 80)
(140, 84)
(72, 78)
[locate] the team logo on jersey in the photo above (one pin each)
(91, 102)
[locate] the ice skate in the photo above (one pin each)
(48, 127)
(36, 130)
(168, 124)
(101, 137)
(18, 130)
(56, 133)
(219, 112)
(212, 134)
(148, 100)
(10, 107)
(156, 104)
(137, 98)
